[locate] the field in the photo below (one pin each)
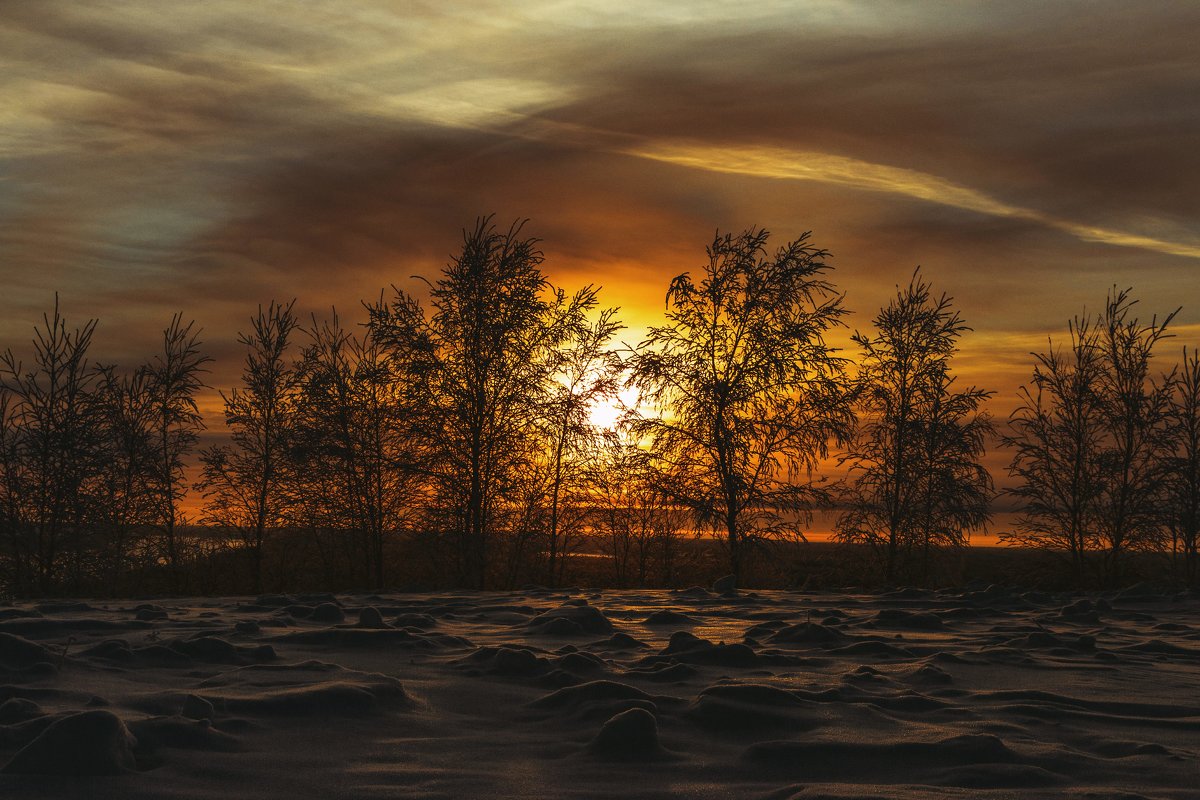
(990, 693)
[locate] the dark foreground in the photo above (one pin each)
(613, 694)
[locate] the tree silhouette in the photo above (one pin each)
(1182, 485)
(172, 380)
(490, 351)
(52, 450)
(956, 491)
(915, 460)
(1135, 410)
(750, 392)
(356, 426)
(125, 503)
(1057, 434)
(639, 523)
(588, 372)
(13, 528)
(1091, 438)
(245, 483)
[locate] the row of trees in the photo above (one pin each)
(1106, 451)
(90, 457)
(464, 427)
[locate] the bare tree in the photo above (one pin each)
(490, 349)
(915, 460)
(1136, 410)
(244, 484)
(54, 450)
(956, 489)
(14, 511)
(637, 520)
(750, 392)
(1182, 485)
(622, 516)
(173, 379)
(356, 436)
(1057, 434)
(1091, 439)
(125, 504)
(589, 372)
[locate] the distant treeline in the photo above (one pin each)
(453, 442)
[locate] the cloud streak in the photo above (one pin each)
(777, 163)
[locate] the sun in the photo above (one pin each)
(606, 413)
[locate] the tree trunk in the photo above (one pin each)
(735, 552)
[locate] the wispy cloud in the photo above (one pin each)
(475, 104)
(782, 164)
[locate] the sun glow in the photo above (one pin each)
(606, 413)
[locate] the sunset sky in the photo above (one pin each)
(208, 157)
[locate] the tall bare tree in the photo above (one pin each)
(245, 483)
(53, 450)
(172, 380)
(1136, 413)
(1091, 440)
(491, 348)
(750, 392)
(956, 489)
(1181, 495)
(1057, 434)
(125, 504)
(357, 419)
(589, 373)
(918, 482)
(14, 511)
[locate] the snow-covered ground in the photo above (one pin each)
(614, 694)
